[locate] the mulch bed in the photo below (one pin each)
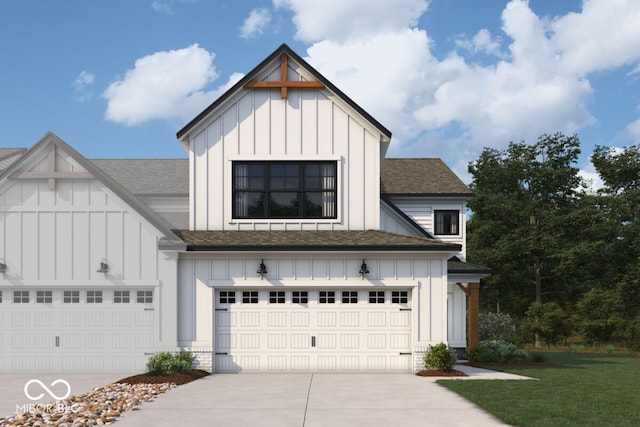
(178, 378)
(440, 373)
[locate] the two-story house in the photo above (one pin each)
(286, 242)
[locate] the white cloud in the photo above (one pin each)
(81, 85)
(162, 7)
(481, 42)
(255, 23)
(538, 83)
(346, 20)
(163, 85)
(633, 131)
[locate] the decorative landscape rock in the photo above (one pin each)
(102, 406)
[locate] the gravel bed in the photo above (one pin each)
(102, 406)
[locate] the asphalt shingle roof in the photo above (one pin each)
(420, 177)
(457, 266)
(149, 176)
(366, 240)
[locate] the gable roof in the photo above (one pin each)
(10, 155)
(420, 177)
(149, 177)
(254, 73)
(289, 240)
(170, 241)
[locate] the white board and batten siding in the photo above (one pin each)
(52, 241)
(307, 125)
(423, 213)
(315, 336)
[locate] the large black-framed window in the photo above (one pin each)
(447, 222)
(278, 189)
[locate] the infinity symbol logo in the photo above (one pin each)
(52, 394)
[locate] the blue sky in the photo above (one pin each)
(447, 77)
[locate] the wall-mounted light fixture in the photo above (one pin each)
(3, 266)
(104, 267)
(262, 270)
(363, 269)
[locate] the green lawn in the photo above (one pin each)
(582, 390)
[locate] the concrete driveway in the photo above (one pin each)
(307, 400)
(301, 400)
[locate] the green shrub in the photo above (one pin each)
(548, 320)
(440, 356)
(495, 326)
(495, 351)
(166, 363)
(597, 316)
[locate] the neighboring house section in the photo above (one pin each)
(62, 220)
(286, 242)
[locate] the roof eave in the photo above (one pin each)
(325, 248)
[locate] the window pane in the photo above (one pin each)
(284, 204)
(313, 205)
(446, 222)
(249, 204)
(284, 176)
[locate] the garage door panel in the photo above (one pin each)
(300, 319)
(75, 336)
(376, 319)
(276, 341)
(400, 319)
(350, 336)
(350, 319)
(277, 319)
(94, 319)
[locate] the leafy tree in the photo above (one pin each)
(620, 171)
(526, 214)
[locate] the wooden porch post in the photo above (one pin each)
(473, 319)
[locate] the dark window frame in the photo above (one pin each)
(399, 297)
(268, 186)
(447, 222)
(121, 297)
(250, 297)
(326, 297)
(276, 297)
(21, 297)
(44, 297)
(300, 297)
(377, 297)
(94, 297)
(144, 297)
(349, 297)
(71, 297)
(227, 297)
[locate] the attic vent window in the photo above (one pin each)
(284, 190)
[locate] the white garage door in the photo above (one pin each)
(75, 330)
(313, 330)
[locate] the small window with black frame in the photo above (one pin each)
(349, 297)
(447, 222)
(300, 297)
